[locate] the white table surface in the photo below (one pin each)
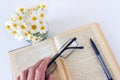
(62, 16)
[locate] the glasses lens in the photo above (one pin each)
(63, 46)
(67, 52)
(73, 44)
(51, 68)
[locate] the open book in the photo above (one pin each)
(80, 65)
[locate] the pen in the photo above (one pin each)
(106, 71)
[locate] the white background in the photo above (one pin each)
(62, 15)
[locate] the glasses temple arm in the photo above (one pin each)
(80, 47)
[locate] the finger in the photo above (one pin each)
(39, 75)
(23, 75)
(40, 71)
(31, 74)
(44, 64)
(38, 63)
(50, 77)
(18, 78)
(31, 70)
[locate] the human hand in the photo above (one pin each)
(36, 72)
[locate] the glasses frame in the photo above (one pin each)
(65, 47)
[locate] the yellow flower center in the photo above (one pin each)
(34, 8)
(31, 37)
(14, 25)
(43, 6)
(8, 27)
(25, 34)
(34, 18)
(23, 27)
(29, 32)
(36, 39)
(41, 15)
(20, 18)
(21, 9)
(34, 27)
(42, 28)
(39, 6)
(11, 19)
(14, 32)
(41, 22)
(29, 9)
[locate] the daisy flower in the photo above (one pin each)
(22, 27)
(13, 17)
(17, 34)
(43, 29)
(40, 14)
(30, 37)
(39, 7)
(14, 32)
(43, 6)
(14, 24)
(21, 18)
(8, 26)
(35, 39)
(33, 18)
(21, 10)
(25, 34)
(34, 28)
(42, 21)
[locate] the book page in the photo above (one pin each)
(83, 64)
(25, 57)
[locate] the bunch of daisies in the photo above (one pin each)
(29, 24)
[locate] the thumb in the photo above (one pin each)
(50, 77)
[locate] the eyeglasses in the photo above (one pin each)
(65, 51)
